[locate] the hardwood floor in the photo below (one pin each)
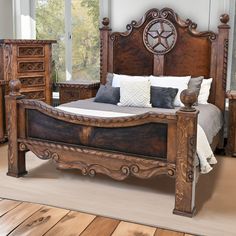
(22, 218)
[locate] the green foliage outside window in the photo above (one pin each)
(50, 24)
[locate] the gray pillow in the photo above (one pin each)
(195, 84)
(109, 79)
(108, 94)
(163, 97)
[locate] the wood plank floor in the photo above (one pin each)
(22, 218)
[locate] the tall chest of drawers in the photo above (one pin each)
(30, 62)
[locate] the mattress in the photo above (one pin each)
(210, 117)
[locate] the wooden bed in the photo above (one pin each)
(80, 142)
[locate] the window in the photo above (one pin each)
(75, 25)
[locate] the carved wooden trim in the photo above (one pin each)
(98, 121)
(81, 85)
(27, 66)
(27, 41)
(30, 51)
(185, 168)
(225, 63)
(32, 81)
(8, 59)
(128, 165)
(34, 94)
(164, 14)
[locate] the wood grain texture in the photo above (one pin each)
(101, 226)
(40, 222)
(164, 232)
(15, 217)
(7, 205)
(131, 229)
(73, 223)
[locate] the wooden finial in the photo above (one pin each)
(15, 86)
(224, 18)
(188, 97)
(105, 22)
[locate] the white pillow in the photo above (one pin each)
(178, 82)
(117, 78)
(135, 93)
(204, 91)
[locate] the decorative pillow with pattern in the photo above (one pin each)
(135, 93)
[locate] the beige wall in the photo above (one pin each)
(6, 19)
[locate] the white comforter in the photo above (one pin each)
(204, 152)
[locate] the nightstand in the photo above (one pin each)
(231, 142)
(77, 89)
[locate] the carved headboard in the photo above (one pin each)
(161, 43)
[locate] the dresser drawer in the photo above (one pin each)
(30, 66)
(39, 94)
(32, 81)
(30, 51)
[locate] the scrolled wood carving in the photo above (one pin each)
(30, 66)
(46, 154)
(165, 13)
(32, 81)
(31, 51)
(140, 168)
(8, 59)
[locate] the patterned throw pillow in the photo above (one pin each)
(135, 93)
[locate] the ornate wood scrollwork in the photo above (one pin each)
(32, 81)
(30, 66)
(125, 166)
(8, 58)
(30, 51)
(159, 36)
(34, 95)
(226, 45)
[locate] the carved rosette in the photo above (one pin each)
(159, 36)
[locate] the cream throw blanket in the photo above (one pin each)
(204, 152)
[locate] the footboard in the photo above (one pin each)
(144, 145)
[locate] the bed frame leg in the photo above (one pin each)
(16, 157)
(186, 153)
(185, 196)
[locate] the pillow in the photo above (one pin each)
(195, 84)
(117, 78)
(109, 79)
(204, 91)
(135, 93)
(163, 97)
(178, 82)
(108, 94)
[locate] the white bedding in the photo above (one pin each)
(204, 152)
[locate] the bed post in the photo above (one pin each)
(186, 154)
(16, 158)
(104, 49)
(2, 111)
